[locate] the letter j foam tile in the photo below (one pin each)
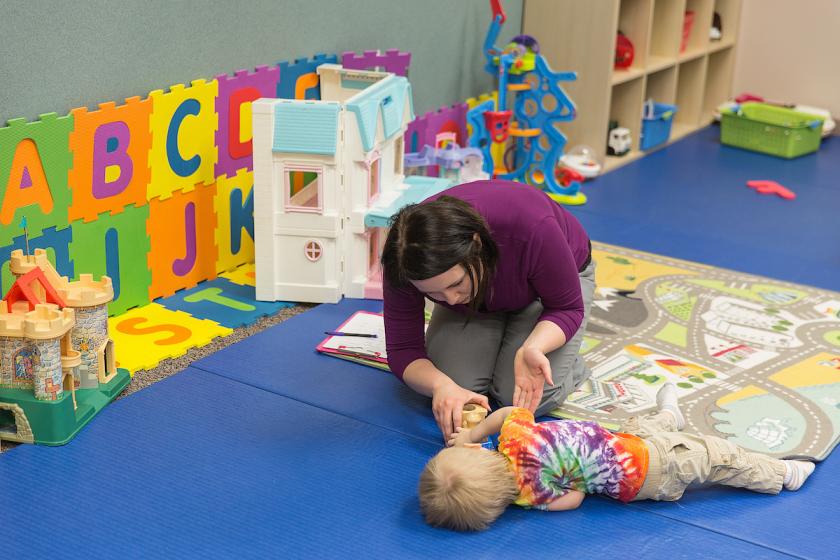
(146, 335)
(224, 302)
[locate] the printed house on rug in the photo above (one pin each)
(57, 364)
(327, 176)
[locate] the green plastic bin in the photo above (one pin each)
(771, 129)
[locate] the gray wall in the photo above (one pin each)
(57, 55)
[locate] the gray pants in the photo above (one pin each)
(479, 355)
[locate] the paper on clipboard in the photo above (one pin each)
(367, 348)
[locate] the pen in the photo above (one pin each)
(340, 333)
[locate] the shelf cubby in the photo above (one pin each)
(690, 87)
(662, 86)
(698, 37)
(718, 84)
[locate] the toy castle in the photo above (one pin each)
(57, 364)
(328, 175)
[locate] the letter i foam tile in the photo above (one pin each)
(234, 204)
(233, 105)
(110, 158)
(34, 161)
(220, 300)
(183, 248)
(245, 275)
(116, 245)
(183, 126)
(146, 335)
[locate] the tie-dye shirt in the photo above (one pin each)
(551, 458)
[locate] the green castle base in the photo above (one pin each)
(56, 422)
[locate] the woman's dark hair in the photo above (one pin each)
(428, 239)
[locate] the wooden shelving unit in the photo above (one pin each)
(580, 35)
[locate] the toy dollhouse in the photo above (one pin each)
(328, 174)
(57, 364)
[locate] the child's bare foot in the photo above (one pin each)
(796, 472)
(666, 400)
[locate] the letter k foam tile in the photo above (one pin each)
(145, 336)
(222, 301)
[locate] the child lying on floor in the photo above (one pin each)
(553, 465)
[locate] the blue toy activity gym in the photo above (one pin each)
(182, 265)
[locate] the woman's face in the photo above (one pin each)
(453, 286)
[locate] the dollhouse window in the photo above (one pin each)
(303, 190)
(373, 180)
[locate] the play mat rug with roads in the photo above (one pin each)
(755, 360)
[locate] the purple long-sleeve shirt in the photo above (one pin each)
(541, 249)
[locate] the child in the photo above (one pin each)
(553, 465)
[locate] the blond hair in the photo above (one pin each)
(466, 489)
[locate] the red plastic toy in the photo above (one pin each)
(623, 51)
(772, 187)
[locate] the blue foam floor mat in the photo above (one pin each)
(201, 466)
(690, 201)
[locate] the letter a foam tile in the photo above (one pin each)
(220, 300)
(146, 335)
(234, 205)
(34, 161)
(183, 126)
(110, 158)
(183, 248)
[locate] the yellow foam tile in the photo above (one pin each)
(145, 336)
(244, 275)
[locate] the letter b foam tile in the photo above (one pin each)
(110, 158)
(231, 305)
(146, 335)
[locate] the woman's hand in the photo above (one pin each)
(447, 402)
(531, 369)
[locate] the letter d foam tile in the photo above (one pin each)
(145, 336)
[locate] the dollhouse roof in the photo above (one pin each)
(309, 127)
(386, 97)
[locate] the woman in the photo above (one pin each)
(512, 277)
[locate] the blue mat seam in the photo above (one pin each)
(705, 528)
(313, 405)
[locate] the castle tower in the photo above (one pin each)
(90, 300)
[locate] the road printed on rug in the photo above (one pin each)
(755, 360)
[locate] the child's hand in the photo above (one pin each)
(460, 437)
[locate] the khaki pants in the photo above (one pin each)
(678, 461)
